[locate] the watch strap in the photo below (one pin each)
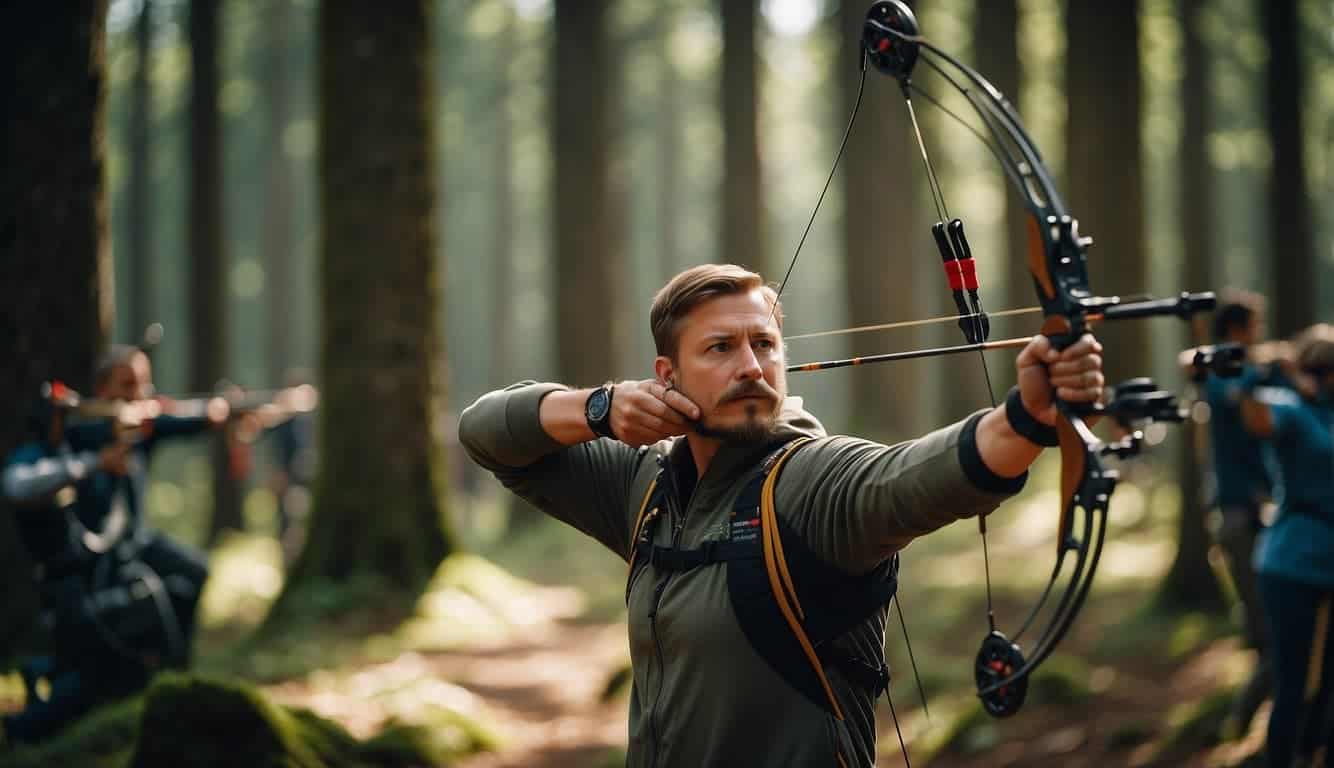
(601, 427)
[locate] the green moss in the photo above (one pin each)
(102, 739)
(199, 723)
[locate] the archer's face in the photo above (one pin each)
(129, 382)
(729, 361)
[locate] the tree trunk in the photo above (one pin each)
(669, 158)
(277, 218)
(503, 219)
(880, 218)
(996, 37)
(743, 219)
(1191, 582)
(1104, 168)
(143, 280)
(1291, 238)
(520, 514)
(208, 283)
(53, 236)
(588, 273)
(378, 514)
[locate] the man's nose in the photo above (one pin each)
(750, 365)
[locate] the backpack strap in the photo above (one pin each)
(643, 517)
(780, 579)
(792, 605)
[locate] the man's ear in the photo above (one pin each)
(664, 370)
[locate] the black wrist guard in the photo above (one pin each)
(1022, 422)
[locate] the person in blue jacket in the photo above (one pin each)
(1294, 557)
(119, 597)
(1243, 483)
(41, 481)
(125, 373)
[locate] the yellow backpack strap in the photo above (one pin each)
(780, 580)
(640, 519)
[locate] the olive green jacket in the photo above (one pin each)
(702, 697)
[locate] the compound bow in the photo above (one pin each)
(1056, 258)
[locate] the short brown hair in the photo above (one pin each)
(693, 287)
(1236, 309)
(1315, 349)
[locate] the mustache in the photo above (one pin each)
(748, 389)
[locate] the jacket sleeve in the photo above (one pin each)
(167, 427)
(585, 485)
(32, 478)
(858, 502)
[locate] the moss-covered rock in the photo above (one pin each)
(102, 739)
(199, 723)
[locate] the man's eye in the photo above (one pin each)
(721, 346)
(765, 344)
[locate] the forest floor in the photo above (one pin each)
(542, 694)
(516, 657)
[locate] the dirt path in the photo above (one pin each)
(541, 694)
(546, 696)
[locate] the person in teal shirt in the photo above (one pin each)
(1243, 484)
(1294, 557)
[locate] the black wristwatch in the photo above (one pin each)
(1022, 422)
(597, 410)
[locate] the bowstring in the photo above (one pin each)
(842, 147)
(941, 206)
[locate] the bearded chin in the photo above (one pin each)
(757, 428)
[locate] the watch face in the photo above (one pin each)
(598, 403)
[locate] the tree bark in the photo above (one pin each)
(1190, 582)
(277, 218)
(1291, 232)
(53, 236)
(743, 216)
(588, 273)
(503, 219)
(142, 272)
(1103, 165)
(669, 158)
(378, 513)
(996, 37)
(880, 216)
(208, 273)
